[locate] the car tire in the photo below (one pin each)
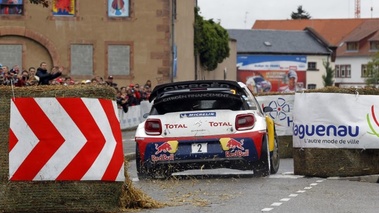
(263, 167)
(141, 168)
(274, 156)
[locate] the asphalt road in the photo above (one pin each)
(282, 192)
(129, 146)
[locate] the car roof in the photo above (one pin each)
(159, 90)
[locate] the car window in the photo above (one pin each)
(251, 100)
(177, 104)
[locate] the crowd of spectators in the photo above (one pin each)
(126, 96)
(132, 95)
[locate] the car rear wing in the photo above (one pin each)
(194, 85)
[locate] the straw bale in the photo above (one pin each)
(61, 196)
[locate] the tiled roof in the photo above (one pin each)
(363, 34)
(375, 37)
(277, 42)
(333, 30)
(367, 28)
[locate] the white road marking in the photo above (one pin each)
(291, 195)
(286, 176)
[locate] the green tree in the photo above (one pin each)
(328, 77)
(45, 3)
(373, 71)
(300, 14)
(211, 42)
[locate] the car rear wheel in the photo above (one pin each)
(263, 167)
(141, 168)
(156, 172)
(274, 156)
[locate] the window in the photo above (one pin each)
(348, 71)
(364, 72)
(352, 46)
(367, 72)
(374, 45)
(11, 54)
(63, 7)
(118, 8)
(11, 7)
(343, 71)
(81, 59)
(312, 66)
(118, 60)
(337, 71)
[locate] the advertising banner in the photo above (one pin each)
(272, 73)
(323, 120)
(282, 106)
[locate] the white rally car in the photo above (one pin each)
(205, 124)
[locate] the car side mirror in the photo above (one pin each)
(267, 109)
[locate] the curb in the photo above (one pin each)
(365, 178)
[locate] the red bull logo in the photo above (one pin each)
(234, 144)
(163, 148)
(234, 148)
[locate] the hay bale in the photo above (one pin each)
(61, 196)
(133, 198)
(285, 146)
(335, 162)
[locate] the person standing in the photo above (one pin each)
(22, 79)
(33, 79)
(110, 82)
(44, 76)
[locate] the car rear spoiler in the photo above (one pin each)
(201, 84)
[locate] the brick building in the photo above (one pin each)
(90, 38)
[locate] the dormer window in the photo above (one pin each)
(267, 43)
(352, 46)
(374, 45)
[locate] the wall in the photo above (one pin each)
(315, 76)
(229, 64)
(184, 37)
(48, 38)
(356, 62)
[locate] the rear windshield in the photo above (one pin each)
(178, 103)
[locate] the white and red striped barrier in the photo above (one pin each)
(65, 139)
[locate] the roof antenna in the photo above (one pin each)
(372, 8)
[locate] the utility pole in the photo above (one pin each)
(357, 8)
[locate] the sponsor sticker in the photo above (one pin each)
(197, 114)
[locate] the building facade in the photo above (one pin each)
(265, 58)
(131, 40)
(354, 42)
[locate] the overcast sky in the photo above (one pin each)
(241, 14)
